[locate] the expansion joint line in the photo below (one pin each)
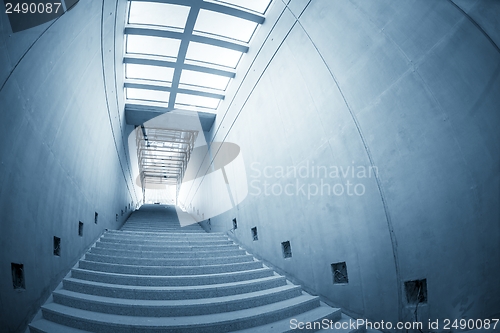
(390, 225)
(107, 99)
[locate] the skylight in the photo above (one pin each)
(167, 47)
(224, 25)
(213, 54)
(154, 13)
(204, 79)
(259, 6)
(148, 72)
(147, 95)
(184, 57)
(200, 101)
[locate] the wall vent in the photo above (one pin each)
(80, 228)
(95, 217)
(18, 276)
(287, 249)
(339, 272)
(254, 234)
(235, 224)
(416, 291)
(57, 246)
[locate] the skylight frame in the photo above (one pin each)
(184, 60)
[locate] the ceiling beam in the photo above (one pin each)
(160, 87)
(141, 59)
(166, 32)
(181, 55)
(139, 113)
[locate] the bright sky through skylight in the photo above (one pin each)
(168, 47)
(204, 79)
(194, 100)
(147, 95)
(146, 72)
(259, 6)
(213, 54)
(155, 13)
(224, 25)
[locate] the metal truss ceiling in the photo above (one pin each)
(163, 154)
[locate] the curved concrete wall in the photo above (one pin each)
(61, 149)
(408, 89)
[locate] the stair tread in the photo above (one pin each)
(44, 325)
(173, 276)
(174, 261)
(284, 325)
(159, 233)
(221, 245)
(177, 288)
(179, 254)
(172, 303)
(236, 265)
(177, 322)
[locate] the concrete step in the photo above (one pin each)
(217, 322)
(154, 276)
(168, 270)
(322, 314)
(165, 248)
(187, 229)
(177, 236)
(180, 280)
(157, 233)
(176, 255)
(172, 292)
(193, 242)
(168, 262)
(45, 326)
(175, 308)
(165, 230)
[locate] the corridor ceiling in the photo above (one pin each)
(182, 54)
(163, 154)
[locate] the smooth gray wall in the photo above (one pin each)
(61, 148)
(410, 88)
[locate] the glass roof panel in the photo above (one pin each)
(224, 25)
(204, 79)
(154, 13)
(147, 95)
(213, 54)
(147, 72)
(167, 47)
(259, 6)
(194, 100)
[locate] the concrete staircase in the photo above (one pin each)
(154, 276)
